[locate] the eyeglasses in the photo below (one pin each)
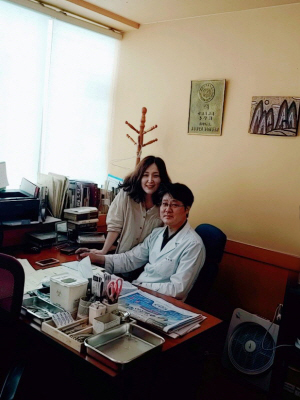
(173, 206)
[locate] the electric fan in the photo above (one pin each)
(250, 347)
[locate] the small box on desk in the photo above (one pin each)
(104, 322)
(42, 239)
(66, 291)
(72, 335)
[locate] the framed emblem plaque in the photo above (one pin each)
(206, 107)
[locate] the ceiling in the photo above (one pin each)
(140, 12)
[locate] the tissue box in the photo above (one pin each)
(66, 290)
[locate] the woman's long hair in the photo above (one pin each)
(132, 182)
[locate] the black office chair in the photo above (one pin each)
(214, 241)
(11, 296)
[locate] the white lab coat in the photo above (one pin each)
(171, 271)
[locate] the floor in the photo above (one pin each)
(205, 378)
(219, 383)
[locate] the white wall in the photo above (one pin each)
(248, 185)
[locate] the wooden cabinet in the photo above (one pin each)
(101, 226)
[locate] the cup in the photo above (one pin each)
(110, 307)
(83, 308)
(95, 310)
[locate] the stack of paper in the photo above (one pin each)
(3, 176)
(34, 278)
(160, 314)
(57, 188)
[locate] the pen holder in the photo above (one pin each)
(95, 310)
(110, 307)
(83, 308)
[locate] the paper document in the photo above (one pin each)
(3, 176)
(34, 278)
(183, 331)
(28, 269)
(157, 312)
(85, 268)
(74, 266)
(127, 287)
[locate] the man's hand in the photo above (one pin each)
(94, 254)
(80, 251)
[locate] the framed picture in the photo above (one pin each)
(113, 182)
(274, 115)
(206, 107)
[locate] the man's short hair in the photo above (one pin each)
(179, 192)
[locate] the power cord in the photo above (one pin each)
(1, 234)
(116, 160)
(277, 316)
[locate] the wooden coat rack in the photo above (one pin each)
(140, 143)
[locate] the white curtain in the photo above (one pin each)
(56, 82)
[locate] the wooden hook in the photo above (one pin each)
(129, 137)
(132, 127)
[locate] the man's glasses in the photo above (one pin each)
(173, 206)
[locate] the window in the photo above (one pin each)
(56, 83)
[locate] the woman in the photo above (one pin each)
(134, 213)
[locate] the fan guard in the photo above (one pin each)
(251, 349)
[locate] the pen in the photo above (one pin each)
(101, 290)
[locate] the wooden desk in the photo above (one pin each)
(171, 348)
(209, 323)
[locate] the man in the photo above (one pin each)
(173, 255)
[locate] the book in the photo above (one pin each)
(82, 194)
(29, 187)
(57, 191)
(86, 224)
(93, 199)
(80, 213)
(96, 237)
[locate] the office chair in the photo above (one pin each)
(214, 241)
(11, 296)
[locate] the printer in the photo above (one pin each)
(20, 205)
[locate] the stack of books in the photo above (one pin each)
(82, 194)
(91, 238)
(81, 220)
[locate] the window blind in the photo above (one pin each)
(56, 87)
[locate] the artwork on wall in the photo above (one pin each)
(274, 115)
(206, 107)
